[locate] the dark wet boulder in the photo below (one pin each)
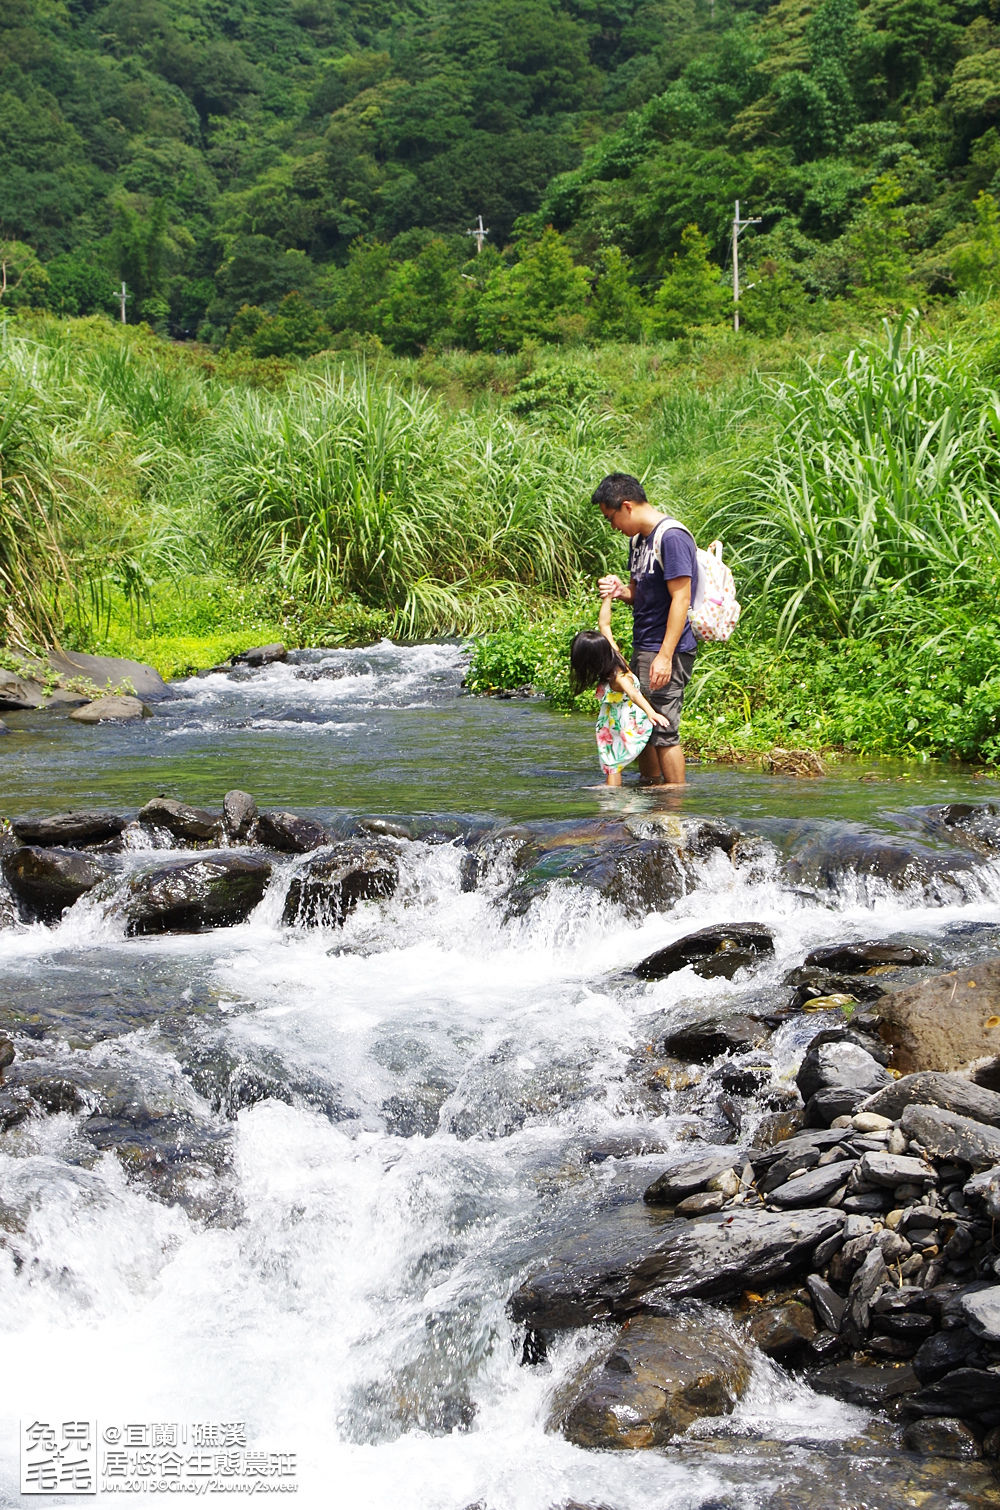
(858, 958)
(290, 833)
(719, 950)
(661, 1374)
(971, 1394)
(45, 882)
(941, 1437)
(16, 1106)
(328, 887)
(185, 896)
(7, 1056)
(700, 1042)
(978, 823)
(112, 710)
(873, 1385)
(261, 655)
(809, 982)
(952, 1348)
(838, 1060)
(783, 1329)
(69, 830)
(191, 824)
(633, 1259)
(239, 815)
(946, 1135)
(944, 1022)
(952, 1093)
(683, 1179)
(825, 1106)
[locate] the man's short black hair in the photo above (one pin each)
(618, 488)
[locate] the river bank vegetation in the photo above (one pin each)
(176, 505)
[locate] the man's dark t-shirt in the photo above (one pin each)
(653, 561)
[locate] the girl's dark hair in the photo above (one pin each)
(592, 659)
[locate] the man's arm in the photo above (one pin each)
(662, 665)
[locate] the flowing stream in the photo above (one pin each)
(312, 1164)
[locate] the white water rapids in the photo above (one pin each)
(336, 1283)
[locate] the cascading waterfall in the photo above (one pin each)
(310, 1164)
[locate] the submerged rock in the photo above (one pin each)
(120, 710)
(662, 1374)
(330, 886)
(700, 1042)
(720, 950)
(185, 896)
(46, 882)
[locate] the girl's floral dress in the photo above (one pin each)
(623, 728)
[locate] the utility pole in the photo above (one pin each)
(738, 226)
(480, 232)
(123, 295)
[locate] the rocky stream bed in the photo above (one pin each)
(612, 1162)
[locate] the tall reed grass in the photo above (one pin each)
(881, 479)
(351, 485)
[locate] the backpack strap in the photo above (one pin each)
(661, 529)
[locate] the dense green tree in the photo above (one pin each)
(977, 262)
(417, 309)
(878, 241)
(615, 310)
(23, 279)
(79, 284)
(692, 293)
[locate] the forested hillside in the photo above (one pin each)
(288, 175)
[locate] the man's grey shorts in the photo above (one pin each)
(667, 700)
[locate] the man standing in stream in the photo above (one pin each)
(663, 576)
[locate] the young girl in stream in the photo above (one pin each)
(625, 719)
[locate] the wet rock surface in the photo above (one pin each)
(188, 823)
(46, 882)
(187, 895)
(67, 830)
(661, 1374)
(635, 1260)
(330, 886)
(712, 951)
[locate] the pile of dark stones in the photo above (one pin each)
(50, 863)
(853, 1240)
